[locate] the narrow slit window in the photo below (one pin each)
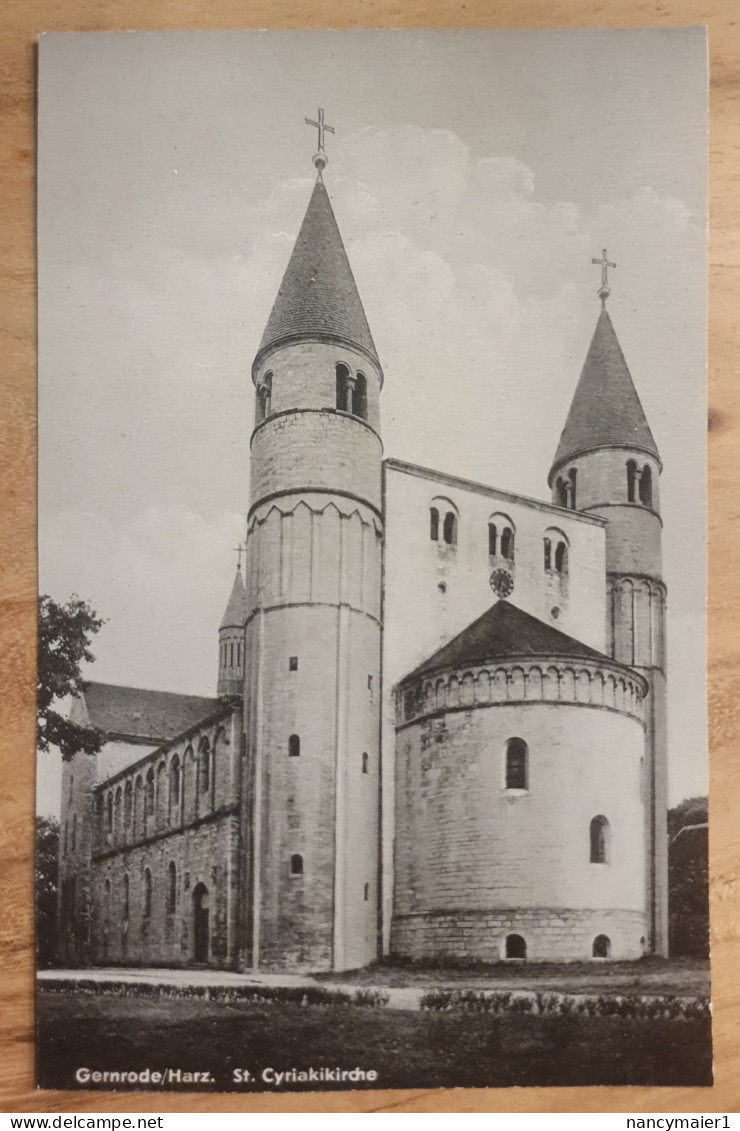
(492, 539)
(365, 764)
(449, 532)
(434, 524)
(293, 664)
(294, 746)
(516, 764)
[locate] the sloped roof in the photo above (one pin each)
(236, 610)
(138, 713)
(606, 410)
(318, 296)
(505, 632)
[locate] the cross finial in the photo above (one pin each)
(239, 550)
(320, 159)
(604, 263)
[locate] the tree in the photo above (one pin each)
(63, 644)
(47, 873)
(688, 878)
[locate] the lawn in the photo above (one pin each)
(685, 977)
(405, 1048)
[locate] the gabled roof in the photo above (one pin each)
(318, 296)
(506, 632)
(236, 610)
(137, 713)
(605, 411)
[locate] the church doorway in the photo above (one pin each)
(200, 923)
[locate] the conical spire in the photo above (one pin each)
(605, 411)
(236, 610)
(318, 297)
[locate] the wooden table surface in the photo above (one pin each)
(20, 23)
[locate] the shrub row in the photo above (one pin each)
(296, 995)
(605, 1005)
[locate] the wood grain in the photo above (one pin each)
(21, 22)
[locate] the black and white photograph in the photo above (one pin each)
(372, 588)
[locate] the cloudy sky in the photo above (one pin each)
(473, 175)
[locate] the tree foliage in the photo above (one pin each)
(63, 645)
(47, 880)
(688, 879)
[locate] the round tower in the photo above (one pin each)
(607, 462)
(313, 631)
(231, 641)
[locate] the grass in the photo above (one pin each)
(684, 976)
(406, 1048)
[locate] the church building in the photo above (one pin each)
(439, 727)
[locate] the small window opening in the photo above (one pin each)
(561, 493)
(149, 798)
(294, 746)
(516, 947)
(599, 838)
(171, 888)
(434, 524)
(602, 947)
(561, 558)
(342, 387)
(365, 763)
(293, 664)
(204, 755)
(646, 486)
(366, 892)
(631, 480)
(449, 531)
(296, 864)
(492, 539)
(507, 543)
(147, 894)
(572, 488)
(516, 764)
(359, 396)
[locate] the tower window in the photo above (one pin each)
(293, 664)
(296, 864)
(572, 488)
(507, 543)
(516, 947)
(365, 764)
(516, 764)
(434, 524)
(602, 947)
(547, 544)
(294, 746)
(342, 387)
(599, 837)
(492, 539)
(449, 529)
(264, 397)
(366, 892)
(359, 396)
(561, 493)
(631, 480)
(561, 558)
(646, 486)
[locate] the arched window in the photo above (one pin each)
(359, 396)
(149, 797)
(117, 812)
(572, 488)
(366, 892)
(507, 543)
(125, 898)
(449, 529)
(365, 762)
(631, 480)
(171, 888)
(128, 804)
(602, 947)
(599, 838)
(516, 947)
(547, 544)
(516, 764)
(646, 486)
(74, 832)
(434, 524)
(492, 539)
(296, 864)
(561, 558)
(147, 910)
(342, 387)
(109, 813)
(561, 492)
(175, 783)
(204, 759)
(264, 397)
(294, 746)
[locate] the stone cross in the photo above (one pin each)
(604, 264)
(321, 127)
